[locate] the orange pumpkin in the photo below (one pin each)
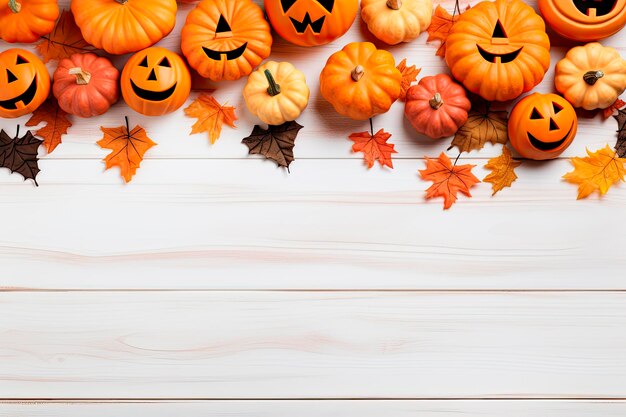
(123, 26)
(155, 82)
(437, 106)
(24, 83)
(542, 126)
(86, 85)
(584, 20)
(27, 20)
(499, 49)
(226, 39)
(361, 81)
(311, 22)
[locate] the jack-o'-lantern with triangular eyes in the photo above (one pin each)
(311, 22)
(226, 39)
(24, 83)
(155, 82)
(542, 126)
(584, 20)
(499, 49)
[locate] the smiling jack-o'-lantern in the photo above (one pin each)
(499, 49)
(311, 22)
(24, 83)
(155, 81)
(584, 20)
(226, 39)
(542, 126)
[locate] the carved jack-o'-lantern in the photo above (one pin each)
(226, 39)
(24, 83)
(155, 81)
(311, 22)
(542, 126)
(584, 20)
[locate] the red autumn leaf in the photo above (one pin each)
(448, 179)
(374, 147)
(613, 108)
(56, 126)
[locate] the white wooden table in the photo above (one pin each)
(217, 284)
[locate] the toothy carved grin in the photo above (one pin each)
(25, 98)
(230, 55)
(495, 58)
(595, 7)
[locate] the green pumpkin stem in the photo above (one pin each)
(592, 77)
(15, 6)
(82, 77)
(274, 88)
(436, 102)
(358, 73)
(394, 4)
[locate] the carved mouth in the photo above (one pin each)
(316, 26)
(153, 95)
(547, 146)
(595, 7)
(495, 58)
(230, 55)
(25, 98)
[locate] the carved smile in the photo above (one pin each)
(495, 58)
(595, 7)
(25, 98)
(316, 26)
(548, 146)
(153, 95)
(230, 55)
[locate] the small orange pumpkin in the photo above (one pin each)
(155, 82)
(361, 81)
(311, 22)
(437, 106)
(542, 126)
(24, 83)
(584, 20)
(499, 49)
(226, 39)
(86, 85)
(27, 20)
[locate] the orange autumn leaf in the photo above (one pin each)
(448, 179)
(128, 148)
(374, 147)
(56, 121)
(409, 75)
(598, 171)
(440, 26)
(610, 111)
(64, 41)
(502, 171)
(211, 116)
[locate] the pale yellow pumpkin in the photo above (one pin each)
(276, 93)
(396, 21)
(591, 76)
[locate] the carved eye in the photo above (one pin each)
(20, 60)
(557, 107)
(327, 4)
(498, 31)
(535, 115)
(165, 63)
(144, 62)
(287, 4)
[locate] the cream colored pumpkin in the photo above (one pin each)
(591, 76)
(276, 93)
(396, 21)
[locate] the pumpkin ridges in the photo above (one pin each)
(35, 19)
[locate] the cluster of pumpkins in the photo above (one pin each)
(498, 50)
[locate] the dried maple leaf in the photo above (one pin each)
(448, 179)
(211, 116)
(374, 147)
(409, 75)
(480, 128)
(56, 126)
(610, 111)
(128, 146)
(64, 41)
(596, 172)
(20, 154)
(275, 143)
(502, 171)
(440, 26)
(620, 146)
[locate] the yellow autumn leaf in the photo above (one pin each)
(502, 171)
(596, 172)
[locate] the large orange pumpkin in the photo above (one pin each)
(27, 20)
(24, 83)
(123, 26)
(226, 39)
(584, 20)
(499, 49)
(311, 22)
(155, 82)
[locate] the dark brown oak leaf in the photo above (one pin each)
(620, 147)
(275, 143)
(20, 154)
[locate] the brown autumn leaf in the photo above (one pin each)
(409, 75)
(211, 116)
(610, 111)
(502, 171)
(480, 128)
(64, 41)
(128, 148)
(20, 154)
(620, 146)
(275, 143)
(598, 171)
(440, 27)
(448, 179)
(374, 147)
(56, 121)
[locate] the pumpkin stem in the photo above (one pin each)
(274, 88)
(436, 102)
(394, 4)
(358, 73)
(15, 6)
(82, 77)
(122, 1)
(592, 77)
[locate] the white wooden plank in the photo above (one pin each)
(307, 345)
(330, 408)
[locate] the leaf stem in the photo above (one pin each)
(127, 126)
(17, 133)
(372, 126)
